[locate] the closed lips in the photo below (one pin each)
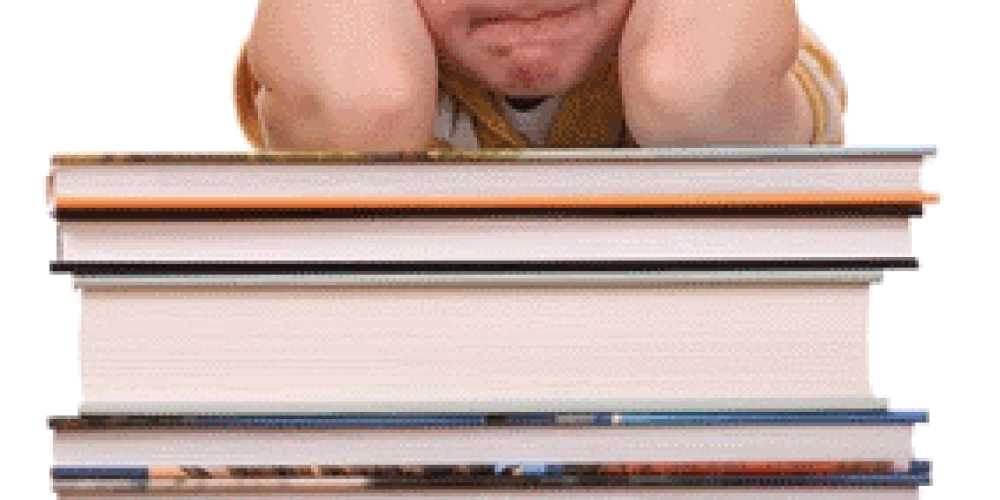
(520, 18)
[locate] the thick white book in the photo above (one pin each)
(534, 342)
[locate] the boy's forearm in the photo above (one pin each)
(701, 72)
(344, 74)
(339, 47)
(763, 112)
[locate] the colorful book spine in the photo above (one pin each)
(525, 475)
(458, 420)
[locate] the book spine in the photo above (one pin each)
(525, 482)
(490, 476)
(437, 421)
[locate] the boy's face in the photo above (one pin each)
(526, 47)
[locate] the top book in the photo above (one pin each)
(634, 178)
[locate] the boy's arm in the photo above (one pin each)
(348, 75)
(703, 72)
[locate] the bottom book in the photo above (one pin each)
(594, 493)
(524, 477)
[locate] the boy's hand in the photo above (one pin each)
(698, 72)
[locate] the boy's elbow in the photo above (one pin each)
(301, 118)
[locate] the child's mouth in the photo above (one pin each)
(521, 18)
(508, 30)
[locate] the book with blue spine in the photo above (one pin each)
(317, 420)
(350, 452)
(518, 475)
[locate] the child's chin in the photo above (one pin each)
(534, 91)
(517, 82)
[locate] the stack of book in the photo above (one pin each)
(584, 323)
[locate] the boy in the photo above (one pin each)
(409, 75)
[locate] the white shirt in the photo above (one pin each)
(459, 132)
